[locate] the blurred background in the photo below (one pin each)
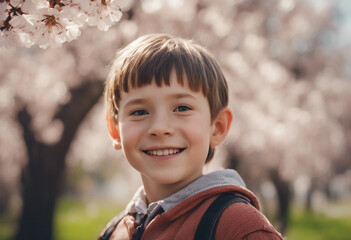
(288, 65)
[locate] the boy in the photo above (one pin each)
(166, 101)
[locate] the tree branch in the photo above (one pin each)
(71, 114)
(25, 119)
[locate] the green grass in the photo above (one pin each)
(304, 226)
(82, 221)
(6, 229)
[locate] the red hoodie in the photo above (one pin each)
(238, 221)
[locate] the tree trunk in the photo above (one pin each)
(309, 195)
(232, 160)
(42, 176)
(284, 196)
(40, 188)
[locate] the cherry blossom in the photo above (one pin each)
(4, 8)
(51, 27)
(51, 23)
(99, 13)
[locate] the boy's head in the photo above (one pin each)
(151, 59)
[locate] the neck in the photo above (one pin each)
(155, 191)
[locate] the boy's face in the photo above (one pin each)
(165, 132)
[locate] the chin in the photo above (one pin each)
(165, 180)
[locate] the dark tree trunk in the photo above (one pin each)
(309, 195)
(42, 176)
(232, 160)
(284, 195)
(40, 184)
(328, 193)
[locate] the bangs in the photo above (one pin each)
(158, 67)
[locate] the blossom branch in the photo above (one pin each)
(50, 23)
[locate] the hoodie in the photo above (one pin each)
(178, 216)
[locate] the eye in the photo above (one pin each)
(139, 113)
(182, 109)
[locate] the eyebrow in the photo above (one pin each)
(175, 96)
(182, 95)
(135, 101)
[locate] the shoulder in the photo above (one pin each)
(240, 220)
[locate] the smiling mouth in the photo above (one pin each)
(164, 152)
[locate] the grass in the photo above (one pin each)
(82, 221)
(6, 227)
(77, 220)
(313, 226)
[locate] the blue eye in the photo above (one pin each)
(139, 113)
(182, 109)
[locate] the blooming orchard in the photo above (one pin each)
(290, 102)
(49, 23)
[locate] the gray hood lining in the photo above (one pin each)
(214, 179)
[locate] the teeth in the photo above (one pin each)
(163, 152)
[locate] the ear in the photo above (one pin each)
(112, 127)
(221, 126)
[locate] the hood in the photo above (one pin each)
(220, 178)
(208, 185)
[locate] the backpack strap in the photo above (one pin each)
(208, 224)
(110, 227)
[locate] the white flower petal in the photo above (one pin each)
(102, 26)
(28, 6)
(16, 3)
(3, 11)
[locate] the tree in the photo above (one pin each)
(42, 176)
(49, 24)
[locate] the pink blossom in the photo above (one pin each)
(52, 27)
(29, 22)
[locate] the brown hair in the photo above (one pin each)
(152, 58)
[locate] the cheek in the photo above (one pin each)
(129, 135)
(198, 131)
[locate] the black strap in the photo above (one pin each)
(140, 228)
(145, 222)
(140, 224)
(110, 227)
(208, 224)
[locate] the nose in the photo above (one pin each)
(161, 126)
